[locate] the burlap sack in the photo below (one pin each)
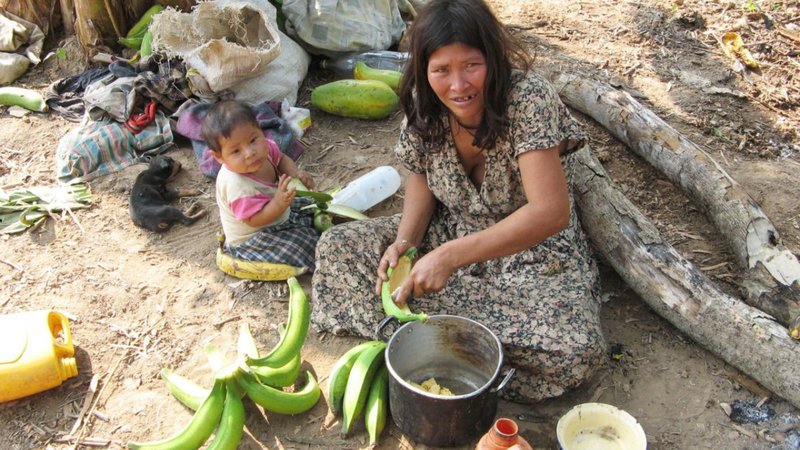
(283, 76)
(224, 43)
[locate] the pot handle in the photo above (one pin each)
(383, 325)
(505, 381)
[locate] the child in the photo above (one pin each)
(260, 216)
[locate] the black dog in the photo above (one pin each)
(149, 197)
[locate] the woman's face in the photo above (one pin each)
(457, 72)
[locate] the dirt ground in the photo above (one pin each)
(140, 301)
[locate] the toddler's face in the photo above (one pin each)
(245, 151)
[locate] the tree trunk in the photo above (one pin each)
(99, 24)
(772, 271)
(68, 16)
(741, 335)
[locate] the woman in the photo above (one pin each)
(487, 204)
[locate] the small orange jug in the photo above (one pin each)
(504, 435)
(36, 353)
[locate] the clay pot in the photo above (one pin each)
(504, 435)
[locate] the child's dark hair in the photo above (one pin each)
(222, 118)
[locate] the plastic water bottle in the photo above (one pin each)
(379, 59)
(37, 353)
(369, 189)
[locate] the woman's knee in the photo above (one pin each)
(544, 374)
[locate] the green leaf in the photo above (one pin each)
(346, 211)
(317, 196)
(18, 221)
(24, 208)
(716, 132)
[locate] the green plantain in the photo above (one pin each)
(377, 407)
(358, 384)
(183, 389)
(337, 381)
(296, 330)
(198, 430)
(231, 425)
(397, 276)
(277, 400)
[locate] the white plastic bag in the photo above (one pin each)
(329, 27)
(299, 119)
(20, 46)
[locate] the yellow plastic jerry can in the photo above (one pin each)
(36, 353)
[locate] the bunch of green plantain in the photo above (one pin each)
(359, 382)
(261, 378)
(139, 34)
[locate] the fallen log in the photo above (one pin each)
(771, 271)
(741, 335)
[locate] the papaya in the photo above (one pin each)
(360, 99)
(362, 71)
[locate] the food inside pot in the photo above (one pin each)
(432, 387)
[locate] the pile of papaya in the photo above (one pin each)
(372, 94)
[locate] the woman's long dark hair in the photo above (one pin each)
(472, 23)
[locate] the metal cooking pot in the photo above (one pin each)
(461, 355)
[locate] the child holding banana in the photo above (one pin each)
(487, 203)
(261, 218)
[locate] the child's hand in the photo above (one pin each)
(284, 195)
(305, 177)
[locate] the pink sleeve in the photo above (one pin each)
(274, 152)
(246, 207)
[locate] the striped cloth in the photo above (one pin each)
(99, 148)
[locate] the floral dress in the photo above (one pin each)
(543, 303)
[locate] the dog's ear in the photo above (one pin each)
(163, 163)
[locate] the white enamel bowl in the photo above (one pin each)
(597, 426)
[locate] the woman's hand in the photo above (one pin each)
(418, 209)
(429, 274)
(389, 259)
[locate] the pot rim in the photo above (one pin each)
(477, 392)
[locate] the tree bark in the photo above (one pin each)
(772, 271)
(741, 335)
(99, 25)
(68, 16)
